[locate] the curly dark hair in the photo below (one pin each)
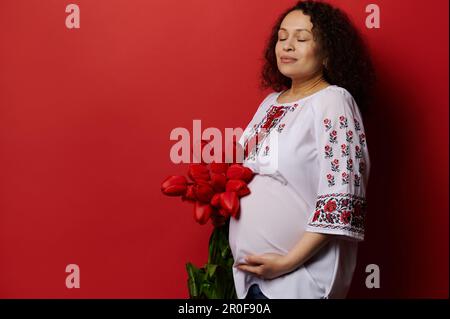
(348, 64)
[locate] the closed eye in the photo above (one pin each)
(297, 40)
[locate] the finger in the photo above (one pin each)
(251, 269)
(254, 260)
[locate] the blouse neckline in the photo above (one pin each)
(301, 99)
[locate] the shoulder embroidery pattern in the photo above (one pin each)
(350, 165)
(330, 178)
(349, 136)
(335, 165)
(345, 178)
(343, 122)
(327, 124)
(346, 150)
(333, 137)
(362, 167)
(358, 152)
(362, 139)
(328, 151)
(357, 126)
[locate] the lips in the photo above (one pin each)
(287, 60)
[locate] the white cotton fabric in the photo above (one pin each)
(312, 171)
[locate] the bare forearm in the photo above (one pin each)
(307, 246)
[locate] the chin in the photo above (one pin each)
(288, 74)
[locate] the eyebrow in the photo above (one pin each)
(296, 30)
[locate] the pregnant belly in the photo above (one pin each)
(272, 219)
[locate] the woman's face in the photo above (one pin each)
(295, 40)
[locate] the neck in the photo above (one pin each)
(305, 87)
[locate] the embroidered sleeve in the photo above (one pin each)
(344, 164)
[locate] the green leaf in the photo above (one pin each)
(215, 279)
(192, 280)
(210, 270)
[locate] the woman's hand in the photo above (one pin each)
(269, 266)
(266, 266)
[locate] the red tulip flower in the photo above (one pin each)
(215, 189)
(229, 204)
(219, 168)
(218, 182)
(238, 171)
(190, 194)
(203, 191)
(238, 186)
(198, 172)
(174, 185)
(215, 200)
(202, 212)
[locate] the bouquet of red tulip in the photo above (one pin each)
(214, 189)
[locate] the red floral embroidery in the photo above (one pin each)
(349, 135)
(293, 107)
(273, 116)
(328, 151)
(345, 217)
(350, 164)
(358, 152)
(281, 127)
(329, 217)
(335, 165)
(327, 123)
(357, 125)
(340, 211)
(345, 150)
(316, 215)
(330, 179)
(362, 139)
(343, 121)
(333, 137)
(330, 206)
(362, 167)
(345, 178)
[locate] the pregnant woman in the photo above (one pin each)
(298, 231)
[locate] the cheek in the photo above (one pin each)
(309, 52)
(311, 55)
(278, 49)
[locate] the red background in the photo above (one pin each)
(86, 116)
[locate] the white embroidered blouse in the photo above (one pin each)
(312, 167)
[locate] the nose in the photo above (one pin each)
(287, 45)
